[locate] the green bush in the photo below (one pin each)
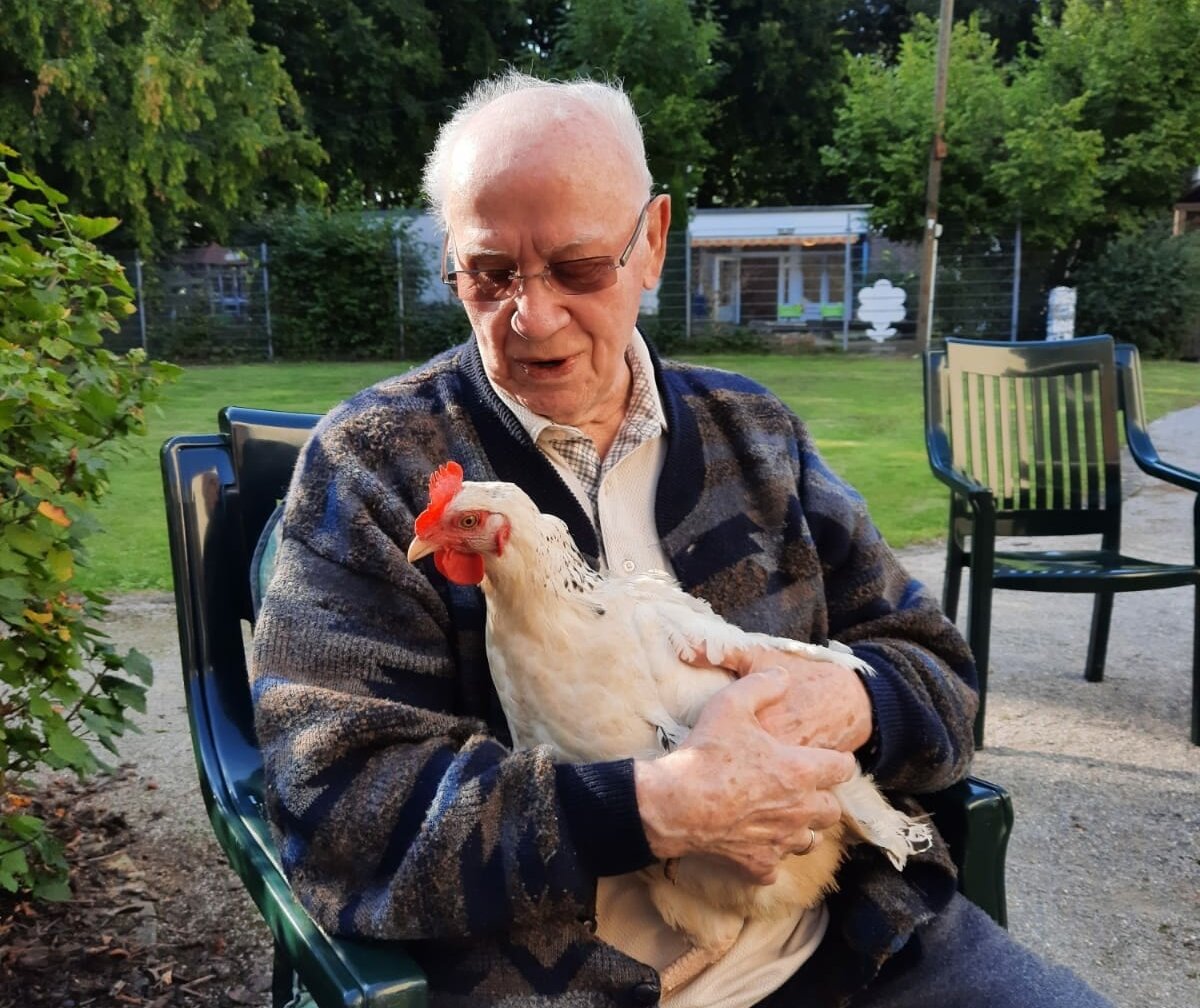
(431, 328)
(1143, 289)
(200, 337)
(334, 284)
(66, 406)
(670, 337)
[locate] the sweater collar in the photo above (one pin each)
(650, 410)
(515, 458)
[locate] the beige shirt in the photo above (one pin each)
(766, 953)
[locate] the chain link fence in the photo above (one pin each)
(819, 290)
(244, 302)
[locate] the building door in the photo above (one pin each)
(728, 289)
(760, 288)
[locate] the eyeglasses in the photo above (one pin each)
(569, 276)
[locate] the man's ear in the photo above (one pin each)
(658, 223)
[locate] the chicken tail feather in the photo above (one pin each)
(870, 815)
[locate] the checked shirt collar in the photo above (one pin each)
(643, 421)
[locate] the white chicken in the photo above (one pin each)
(601, 667)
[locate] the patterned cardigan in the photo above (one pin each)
(402, 812)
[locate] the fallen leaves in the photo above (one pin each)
(143, 928)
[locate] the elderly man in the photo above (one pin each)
(402, 810)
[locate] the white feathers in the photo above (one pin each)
(602, 668)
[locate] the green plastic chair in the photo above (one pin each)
(222, 492)
(1025, 437)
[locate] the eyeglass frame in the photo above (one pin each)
(614, 262)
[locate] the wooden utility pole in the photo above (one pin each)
(937, 152)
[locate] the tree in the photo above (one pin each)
(359, 69)
(1016, 136)
(1143, 288)
(779, 84)
(1132, 67)
(662, 52)
(166, 114)
(377, 77)
(875, 27)
(1016, 148)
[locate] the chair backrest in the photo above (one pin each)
(220, 489)
(1036, 423)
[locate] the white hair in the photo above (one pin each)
(608, 101)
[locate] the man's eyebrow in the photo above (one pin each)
(479, 252)
(574, 243)
(484, 251)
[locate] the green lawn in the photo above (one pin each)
(865, 412)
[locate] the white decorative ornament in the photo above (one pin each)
(881, 305)
(1060, 314)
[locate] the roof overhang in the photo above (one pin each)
(773, 241)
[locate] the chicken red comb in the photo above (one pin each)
(444, 483)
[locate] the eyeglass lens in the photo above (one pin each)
(570, 276)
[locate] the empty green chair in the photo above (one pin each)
(1026, 437)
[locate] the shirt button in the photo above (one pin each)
(645, 994)
(628, 566)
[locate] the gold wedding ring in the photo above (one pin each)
(812, 842)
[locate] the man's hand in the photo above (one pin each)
(733, 790)
(825, 705)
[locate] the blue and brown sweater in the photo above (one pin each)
(402, 812)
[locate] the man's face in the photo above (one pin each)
(521, 201)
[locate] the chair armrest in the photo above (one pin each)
(975, 819)
(1137, 432)
(1141, 447)
(976, 494)
(938, 449)
(337, 972)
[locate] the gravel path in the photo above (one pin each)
(1104, 863)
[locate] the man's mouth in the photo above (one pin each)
(544, 367)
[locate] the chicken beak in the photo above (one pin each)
(419, 548)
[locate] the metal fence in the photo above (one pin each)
(819, 290)
(216, 303)
(211, 301)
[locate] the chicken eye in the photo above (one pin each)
(468, 521)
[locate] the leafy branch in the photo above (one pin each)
(67, 405)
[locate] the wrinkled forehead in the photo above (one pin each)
(527, 155)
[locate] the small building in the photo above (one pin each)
(212, 275)
(777, 266)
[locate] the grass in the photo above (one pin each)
(865, 413)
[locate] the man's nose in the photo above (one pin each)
(539, 311)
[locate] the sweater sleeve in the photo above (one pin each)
(923, 694)
(399, 815)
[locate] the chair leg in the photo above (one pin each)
(979, 625)
(283, 979)
(1098, 641)
(956, 559)
(1196, 666)
(952, 582)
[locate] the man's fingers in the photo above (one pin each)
(826, 811)
(740, 662)
(822, 768)
(741, 701)
(754, 691)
